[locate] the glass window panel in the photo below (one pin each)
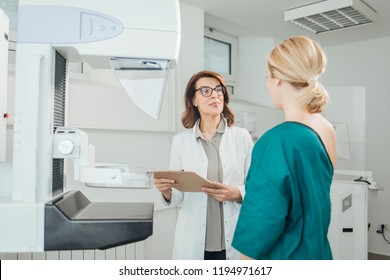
(217, 56)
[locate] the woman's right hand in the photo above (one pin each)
(165, 185)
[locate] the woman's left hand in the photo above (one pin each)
(222, 192)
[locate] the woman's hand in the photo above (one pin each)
(165, 187)
(222, 192)
(243, 257)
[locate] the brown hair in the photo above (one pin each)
(300, 61)
(191, 113)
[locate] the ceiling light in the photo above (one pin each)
(331, 15)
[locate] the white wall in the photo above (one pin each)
(266, 117)
(367, 64)
(347, 107)
(250, 93)
(191, 52)
(252, 72)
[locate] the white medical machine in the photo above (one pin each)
(4, 31)
(348, 231)
(139, 40)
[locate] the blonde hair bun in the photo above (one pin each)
(300, 61)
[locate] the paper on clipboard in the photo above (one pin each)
(188, 181)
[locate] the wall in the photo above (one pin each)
(347, 111)
(250, 93)
(191, 51)
(266, 117)
(367, 64)
(252, 64)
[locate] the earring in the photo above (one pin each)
(195, 105)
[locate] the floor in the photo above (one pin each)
(372, 256)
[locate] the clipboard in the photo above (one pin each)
(188, 181)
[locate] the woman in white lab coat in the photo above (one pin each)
(219, 151)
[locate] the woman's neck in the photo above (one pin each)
(294, 111)
(209, 124)
(301, 115)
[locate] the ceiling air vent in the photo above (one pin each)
(331, 15)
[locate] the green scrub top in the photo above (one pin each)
(286, 210)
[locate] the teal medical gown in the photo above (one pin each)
(286, 210)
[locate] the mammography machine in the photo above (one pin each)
(139, 40)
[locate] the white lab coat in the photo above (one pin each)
(187, 153)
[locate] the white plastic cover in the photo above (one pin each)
(143, 80)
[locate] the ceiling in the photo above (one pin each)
(266, 18)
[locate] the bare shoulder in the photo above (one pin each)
(328, 136)
(325, 131)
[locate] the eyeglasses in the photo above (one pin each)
(206, 91)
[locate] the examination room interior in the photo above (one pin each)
(357, 78)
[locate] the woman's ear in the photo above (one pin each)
(277, 82)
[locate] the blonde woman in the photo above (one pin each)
(286, 210)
